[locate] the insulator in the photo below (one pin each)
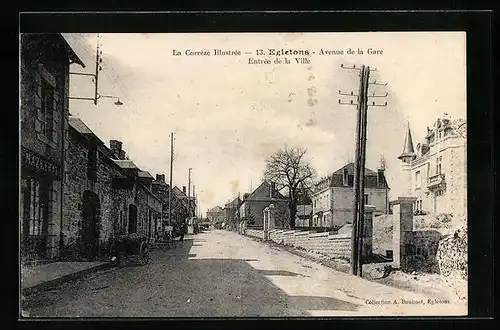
(351, 101)
(339, 102)
(352, 93)
(373, 103)
(354, 66)
(100, 60)
(385, 103)
(100, 68)
(341, 65)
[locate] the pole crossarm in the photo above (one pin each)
(348, 103)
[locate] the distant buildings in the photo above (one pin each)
(333, 197)
(216, 215)
(252, 206)
(435, 171)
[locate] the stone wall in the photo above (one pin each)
(113, 203)
(255, 233)
(452, 261)
(331, 245)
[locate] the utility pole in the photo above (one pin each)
(171, 171)
(189, 192)
(359, 165)
(97, 69)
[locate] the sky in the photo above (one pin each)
(228, 116)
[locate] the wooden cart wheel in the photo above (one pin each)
(144, 253)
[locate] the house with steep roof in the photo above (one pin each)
(435, 170)
(216, 215)
(333, 197)
(253, 204)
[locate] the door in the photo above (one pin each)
(132, 219)
(35, 200)
(91, 211)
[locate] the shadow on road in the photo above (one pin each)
(172, 285)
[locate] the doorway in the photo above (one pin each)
(91, 213)
(132, 219)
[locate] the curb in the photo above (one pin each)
(44, 286)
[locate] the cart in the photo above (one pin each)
(130, 248)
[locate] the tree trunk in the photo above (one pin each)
(293, 213)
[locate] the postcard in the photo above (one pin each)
(216, 175)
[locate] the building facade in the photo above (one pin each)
(94, 209)
(216, 215)
(435, 171)
(106, 195)
(44, 94)
(333, 198)
(252, 206)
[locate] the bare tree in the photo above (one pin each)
(288, 168)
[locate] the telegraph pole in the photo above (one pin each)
(359, 165)
(97, 69)
(189, 192)
(171, 170)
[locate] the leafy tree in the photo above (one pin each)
(289, 169)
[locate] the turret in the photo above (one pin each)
(408, 152)
(406, 157)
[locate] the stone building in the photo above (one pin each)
(106, 195)
(94, 209)
(162, 190)
(44, 102)
(435, 171)
(333, 196)
(216, 215)
(144, 213)
(252, 206)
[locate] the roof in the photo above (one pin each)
(144, 174)
(71, 53)
(262, 192)
(408, 150)
(235, 202)
(350, 170)
(177, 192)
(126, 164)
(79, 125)
(215, 209)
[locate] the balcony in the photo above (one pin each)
(436, 181)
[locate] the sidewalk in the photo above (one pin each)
(45, 276)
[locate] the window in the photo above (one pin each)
(366, 199)
(345, 177)
(418, 179)
(438, 164)
(47, 109)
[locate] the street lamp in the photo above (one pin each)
(118, 102)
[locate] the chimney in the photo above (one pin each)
(160, 177)
(122, 155)
(380, 178)
(184, 189)
(116, 147)
(272, 188)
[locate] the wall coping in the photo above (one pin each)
(403, 200)
(319, 235)
(302, 233)
(340, 236)
(288, 232)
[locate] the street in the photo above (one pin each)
(223, 274)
